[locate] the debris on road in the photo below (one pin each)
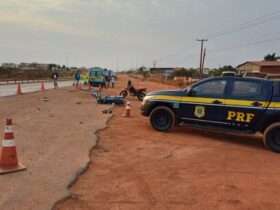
(109, 110)
(45, 99)
(118, 100)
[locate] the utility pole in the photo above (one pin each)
(201, 56)
(203, 59)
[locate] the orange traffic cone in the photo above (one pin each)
(19, 92)
(8, 157)
(43, 86)
(127, 111)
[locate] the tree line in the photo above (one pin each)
(194, 72)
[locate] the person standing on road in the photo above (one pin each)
(113, 81)
(129, 84)
(77, 77)
(55, 78)
(107, 81)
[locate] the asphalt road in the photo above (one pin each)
(53, 138)
(9, 90)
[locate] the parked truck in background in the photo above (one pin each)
(97, 76)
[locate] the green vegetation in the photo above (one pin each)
(219, 71)
(183, 72)
(16, 74)
(271, 57)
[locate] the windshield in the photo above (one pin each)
(96, 74)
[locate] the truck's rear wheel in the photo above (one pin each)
(162, 118)
(272, 137)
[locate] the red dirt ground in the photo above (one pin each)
(135, 167)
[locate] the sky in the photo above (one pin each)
(124, 34)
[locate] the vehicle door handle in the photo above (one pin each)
(217, 102)
(257, 104)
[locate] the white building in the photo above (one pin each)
(9, 65)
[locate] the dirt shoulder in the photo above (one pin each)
(135, 167)
(53, 138)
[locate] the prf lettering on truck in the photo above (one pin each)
(240, 116)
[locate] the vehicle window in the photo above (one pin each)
(95, 74)
(276, 89)
(209, 89)
(246, 89)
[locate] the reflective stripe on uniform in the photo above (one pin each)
(8, 129)
(8, 143)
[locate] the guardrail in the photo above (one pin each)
(14, 82)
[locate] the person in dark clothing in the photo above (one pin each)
(107, 81)
(113, 80)
(129, 84)
(77, 77)
(55, 78)
(130, 87)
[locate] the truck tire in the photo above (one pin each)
(272, 137)
(162, 118)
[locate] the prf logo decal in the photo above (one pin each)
(199, 111)
(176, 105)
(240, 116)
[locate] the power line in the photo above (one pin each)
(246, 25)
(246, 45)
(215, 51)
